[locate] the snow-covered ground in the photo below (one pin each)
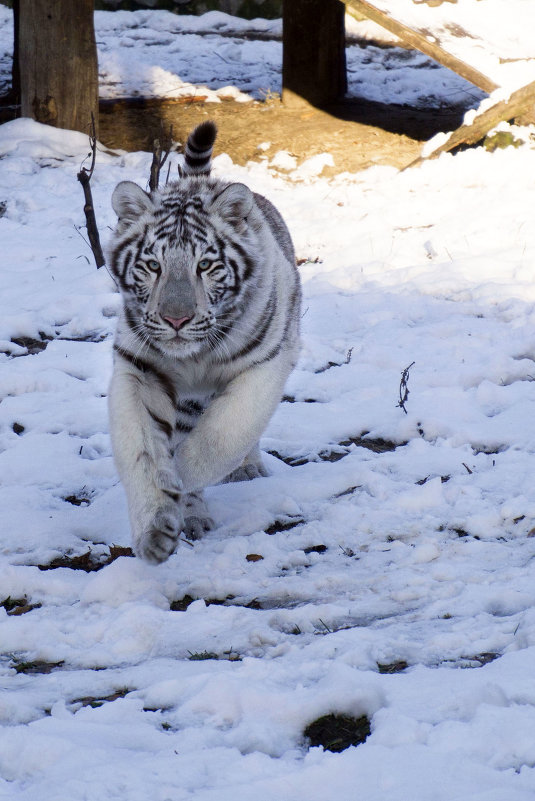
(415, 555)
(185, 56)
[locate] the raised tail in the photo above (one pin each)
(198, 152)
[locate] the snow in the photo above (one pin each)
(494, 36)
(428, 542)
(180, 60)
(207, 56)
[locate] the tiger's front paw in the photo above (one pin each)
(247, 472)
(195, 527)
(197, 520)
(159, 540)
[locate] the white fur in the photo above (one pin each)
(232, 425)
(158, 470)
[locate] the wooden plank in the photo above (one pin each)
(420, 41)
(520, 102)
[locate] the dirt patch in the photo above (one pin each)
(358, 134)
(88, 562)
(338, 732)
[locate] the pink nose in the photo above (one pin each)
(177, 322)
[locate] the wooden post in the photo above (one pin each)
(58, 62)
(313, 60)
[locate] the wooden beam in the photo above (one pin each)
(419, 39)
(520, 102)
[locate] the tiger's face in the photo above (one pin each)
(180, 263)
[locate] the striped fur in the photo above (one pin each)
(206, 338)
(199, 146)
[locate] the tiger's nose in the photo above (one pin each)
(177, 322)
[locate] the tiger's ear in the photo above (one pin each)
(234, 203)
(129, 201)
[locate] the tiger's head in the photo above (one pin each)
(181, 257)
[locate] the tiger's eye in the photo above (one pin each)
(153, 265)
(204, 264)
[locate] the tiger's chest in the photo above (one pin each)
(196, 378)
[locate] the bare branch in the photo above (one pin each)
(404, 388)
(84, 176)
(155, 166)
(160, 153)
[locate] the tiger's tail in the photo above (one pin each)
(198, 151)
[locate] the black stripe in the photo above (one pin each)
(277, 349)
(167, 217)
(167, 385)
(141, 243)
(294, 298)
(195, 227)
(190, 407)
(129, 357)
(195, 165)
(262, 327)
(236, 286)
(184, 427)
(164, 426)
(170, 204)
(165, 230)
(130, 320)
(146, 367)
(197, 147)
(271, 355)
(197, 158)
(174, 495)
(120, 250)
(247, 260)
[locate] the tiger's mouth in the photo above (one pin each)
(187, 338)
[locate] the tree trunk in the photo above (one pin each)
(58, 62)
(313, 60)
(14, 94)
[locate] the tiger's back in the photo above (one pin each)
(206, 339)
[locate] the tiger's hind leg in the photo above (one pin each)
(251, 467)
(197, 520)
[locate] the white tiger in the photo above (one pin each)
(207, 335)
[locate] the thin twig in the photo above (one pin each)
(160, 153)
(404, 388)
(84, 176)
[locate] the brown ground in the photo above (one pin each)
(358, 134)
